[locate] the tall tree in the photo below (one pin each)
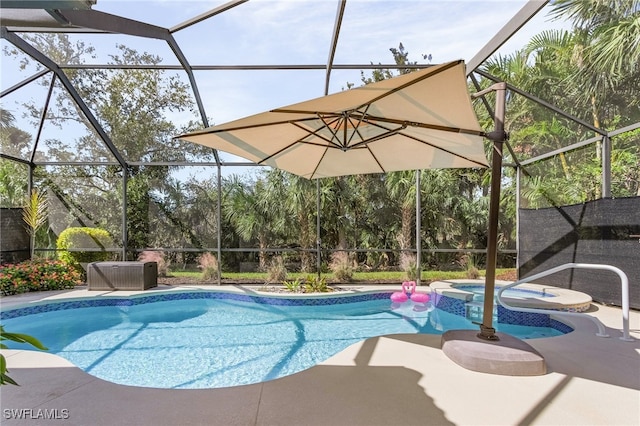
(13, 175)
(132, 106)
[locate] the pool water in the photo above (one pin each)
(212, 343)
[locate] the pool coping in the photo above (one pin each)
(117, 298)
(82, 293)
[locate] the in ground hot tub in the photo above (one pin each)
(527, 295)
(466, 298)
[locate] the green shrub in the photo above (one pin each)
(82, 238)
(314, 284)
(293, 286)
(37, 275)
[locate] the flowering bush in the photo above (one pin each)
(37, 275)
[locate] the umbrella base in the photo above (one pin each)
(508, 356)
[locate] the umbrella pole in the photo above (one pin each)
(498, 136)
(318, 241)
(418, 228)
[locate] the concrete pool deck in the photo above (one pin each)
(390, 380)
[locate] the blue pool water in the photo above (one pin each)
(217, 342)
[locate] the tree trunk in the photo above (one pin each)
(404, 240)
(596, 123)
(306, 258)
(262, 255)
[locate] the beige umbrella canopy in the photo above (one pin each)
(419, 120)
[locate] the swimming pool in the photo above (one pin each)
(211, 339)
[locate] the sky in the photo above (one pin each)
(291, 32)
(269, 32)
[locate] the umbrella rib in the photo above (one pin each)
(315, 169)
(424, 125)
(442, 149)
(278, 152)
(315, 133)
(356, 128)
(378, 137)
(208, 130)
(376, 160)
(327, 125)
(292, 144)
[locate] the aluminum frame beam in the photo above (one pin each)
(206, 15)
(23, 83)
(48, 63)
(117, 24)
(334, 43)
(519, 19)
(545, 104)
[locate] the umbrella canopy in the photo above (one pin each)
(419, 120)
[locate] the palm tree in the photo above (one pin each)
(608, 52)
(611, 32)
(13, 176)
(402, 189)
(301, 203)
(7, 119)
(256, 211)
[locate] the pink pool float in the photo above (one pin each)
(401, 296)
(409, 291)
(420, 299)
(418, 296)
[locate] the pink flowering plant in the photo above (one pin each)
(37, 275)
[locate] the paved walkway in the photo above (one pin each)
(391, 380)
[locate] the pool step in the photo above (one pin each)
(475, 309)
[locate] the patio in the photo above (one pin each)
(399, 379)
(151, 191)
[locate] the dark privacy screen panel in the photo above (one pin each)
(598, 231)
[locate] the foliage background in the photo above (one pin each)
(590, 71)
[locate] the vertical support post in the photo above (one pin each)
(418, 228)
(125, 235)
(518, 183)
(318, 240)
(30, 180)
(498, 136)
(606, 167)
(219, 224)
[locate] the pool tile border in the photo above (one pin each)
(49, 306)
(448, 304)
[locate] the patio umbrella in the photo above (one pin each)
(419, 120)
